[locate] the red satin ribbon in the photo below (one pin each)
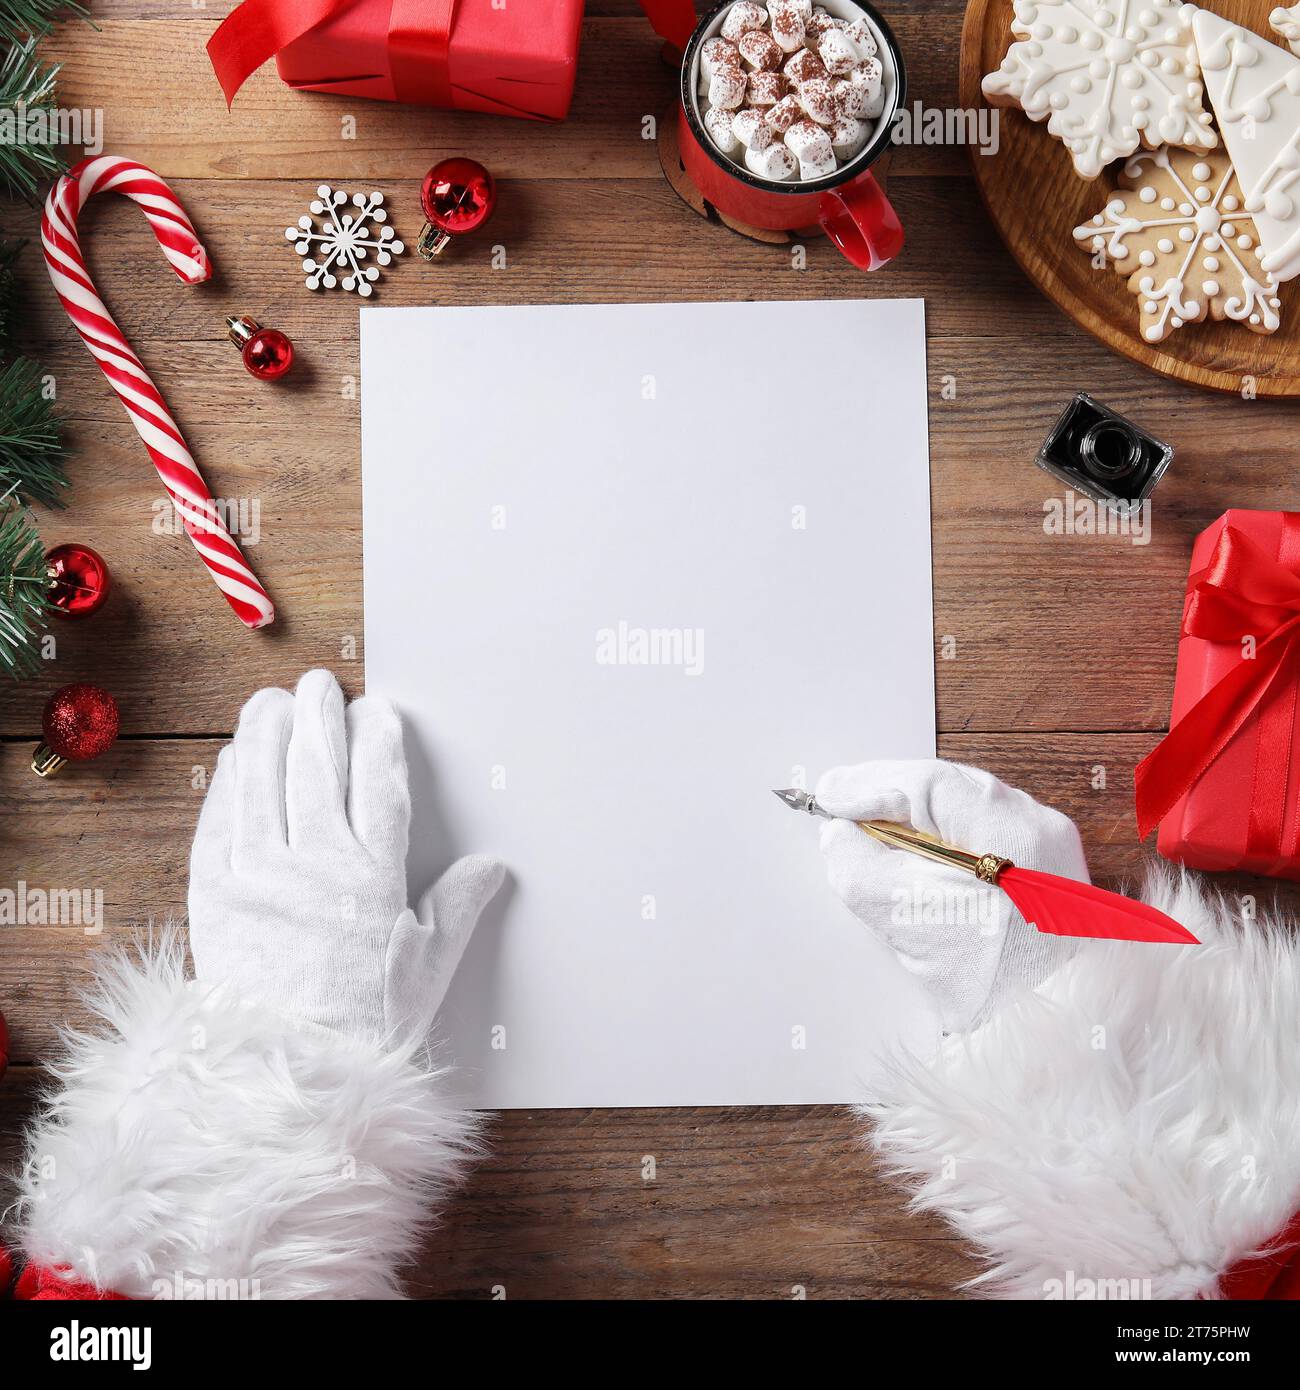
(419, 40)
(1242, 593)
(419, 51)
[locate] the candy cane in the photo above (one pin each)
(126, 374)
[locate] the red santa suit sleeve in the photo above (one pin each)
(1129, 1128)
(200, 1145)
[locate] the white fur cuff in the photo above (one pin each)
(1130, 1129)
(201, 1146)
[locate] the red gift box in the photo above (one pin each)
(1224, 785)
(516, 59)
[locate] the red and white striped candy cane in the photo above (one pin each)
(126, 374)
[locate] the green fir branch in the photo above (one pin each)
(31, 451)
(24, 592)
(19, 19)
(29, 149)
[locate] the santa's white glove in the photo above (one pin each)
(964, 940)
(298, 872)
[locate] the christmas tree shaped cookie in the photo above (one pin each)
(1108, 76)
(1254, 88)
(1176, 228)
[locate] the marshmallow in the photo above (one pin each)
(809, 143)
(717, 53)
(864, 40)
(847, 137)
(718, 123)
(773, 162)
(741, 18)
(869, 74)
(818, 100)
(850, 99)
(765, 89)
(837, 51)
(784, 114)
(760, 50)
(804, 66)
(820, 22)
(727, 87)
(809, 169)
(751, 130)
(787, 25)
(868, 78)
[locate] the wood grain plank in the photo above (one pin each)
(565, 241)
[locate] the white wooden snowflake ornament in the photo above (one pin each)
(1177, 227)
(345, 241)
(1106, 75)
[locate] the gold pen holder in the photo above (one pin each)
(985, 867)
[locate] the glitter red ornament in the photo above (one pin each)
(79, 580)
(458, 196)
(267, 352)
(79, 723)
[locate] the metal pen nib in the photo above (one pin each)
(798, 800)
(985, 867)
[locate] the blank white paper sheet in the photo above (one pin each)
(627, 568)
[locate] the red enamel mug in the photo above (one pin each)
(849, 204)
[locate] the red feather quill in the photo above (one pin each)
(1052, 904)
(1065, 907)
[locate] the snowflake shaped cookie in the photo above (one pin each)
(1107, 75)
(1177, 228)
(345, 241)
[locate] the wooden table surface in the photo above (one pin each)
(1055, 655)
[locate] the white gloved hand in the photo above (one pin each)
(298, 872)
(965, 940)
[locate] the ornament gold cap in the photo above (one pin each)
(46, 762)
(433, 241)
(241, 329)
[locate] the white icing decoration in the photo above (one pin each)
(1167, 281)
(1287, 24)
(1254, 87)
(1125, 83)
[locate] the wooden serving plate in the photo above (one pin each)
(1036, 199)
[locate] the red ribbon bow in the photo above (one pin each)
(419, 40)
(1246, 597)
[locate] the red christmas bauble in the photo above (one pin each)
(268, 354)
(79, 723)
(458, 196)
(79, 580)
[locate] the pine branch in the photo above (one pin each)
(24, 592)
(31, 452)
(21, 18)
(27, 90)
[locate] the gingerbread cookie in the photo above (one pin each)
(1254, 87)
(1177, 228)
(1107, 77)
